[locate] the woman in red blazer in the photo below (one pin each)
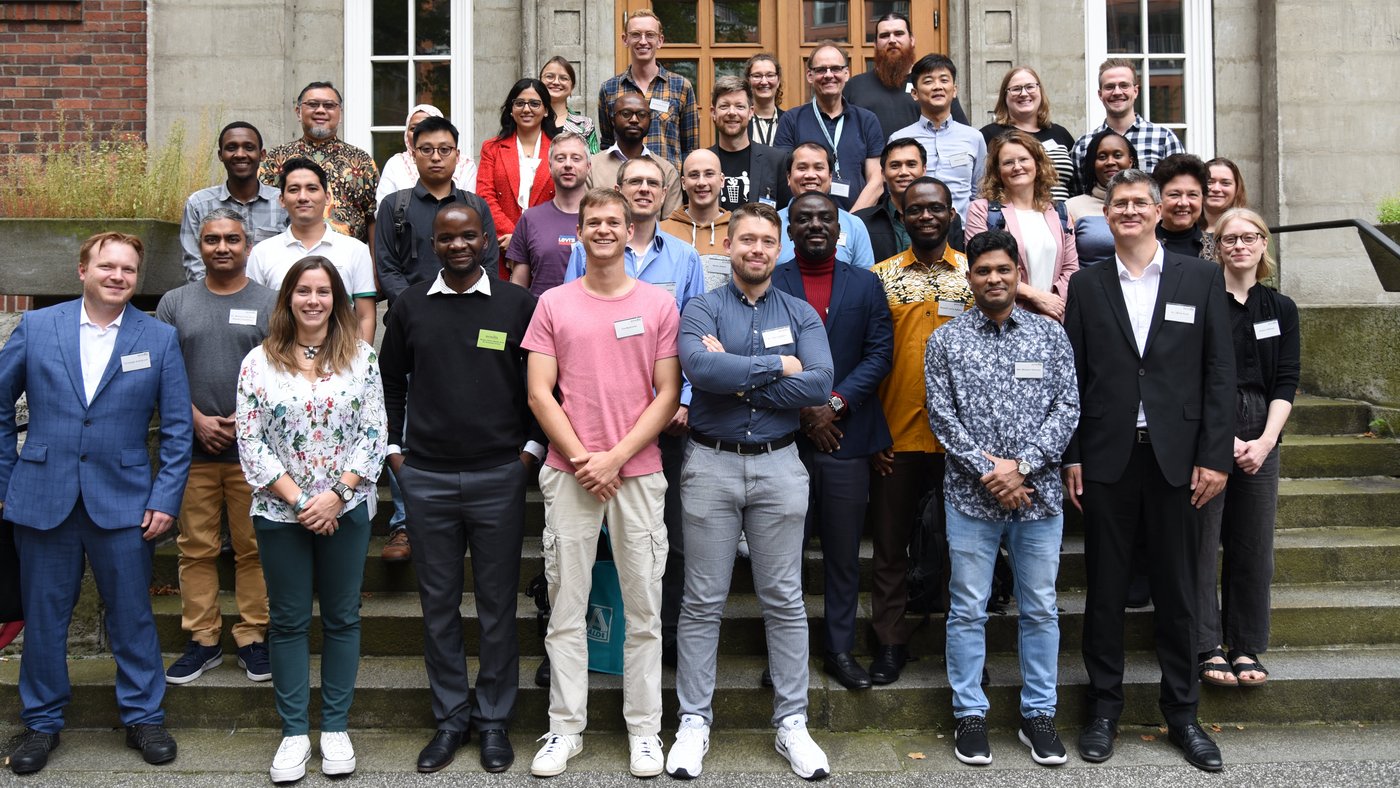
(513, 173)
(1017, 180)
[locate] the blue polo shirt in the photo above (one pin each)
(861, 139)
(852, 247)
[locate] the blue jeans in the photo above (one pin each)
(1035, 560)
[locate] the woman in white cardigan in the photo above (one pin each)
(1016, 197)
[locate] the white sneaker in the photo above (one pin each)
(743, 550)
(553, 757)
(646, 755)
(794, 743)
(687, 755)
(337, 754)
(289, 764)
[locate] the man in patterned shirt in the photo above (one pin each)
(353, 176)
(675, 120)
(1118, 92)
(926, 287)
(1004, 401)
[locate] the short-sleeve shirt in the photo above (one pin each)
(352, 175)
(542, 240)
(861, 139)
(270, 261)
(606, 349)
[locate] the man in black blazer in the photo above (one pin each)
(1152, 348)
(752, 172)
(839, 437)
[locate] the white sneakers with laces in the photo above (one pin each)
(687, 755)
(646, 756)
(794, 743)
(289, 764)
(553, 757)
(337, 754)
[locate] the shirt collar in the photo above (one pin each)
(1017, 318)
(483, 286)
(84, 320)
(1125, 276)
(661, 73)
(928, 124)
(616, 152)
(951, 258)
(743, 299)
(327, 238)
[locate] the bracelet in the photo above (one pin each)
(301, 502)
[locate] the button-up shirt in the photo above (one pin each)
(1140, 296)
(95, 346)
(956, 155)
(852, 246)
(741, 394)
(1009, 391)
(1152, 143)
(263, 213)
(673, 133)
(604, 166)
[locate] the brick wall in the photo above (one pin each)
(85, 60)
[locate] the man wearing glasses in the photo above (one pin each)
(673, 128)
(1118, 92)
(351, 172)
(631, 117)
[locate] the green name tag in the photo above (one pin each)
(491, 340)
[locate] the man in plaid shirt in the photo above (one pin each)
(675, 120)
(1118, 91)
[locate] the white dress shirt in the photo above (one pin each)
(1140, 296)
(95, 346)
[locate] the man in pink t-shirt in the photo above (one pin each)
(607, 342)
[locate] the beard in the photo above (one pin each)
(892, 68)
(321, 132)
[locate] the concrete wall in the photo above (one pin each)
(990, 37)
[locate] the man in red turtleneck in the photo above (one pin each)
(838, 438)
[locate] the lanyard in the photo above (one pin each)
(834, 143)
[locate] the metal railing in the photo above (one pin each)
(1383, 251)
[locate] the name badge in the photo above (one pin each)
(136, 361)
(660, 105)
(631, 327)
(567, 240)
(1266, 329)
(768, 201)
(950, 308)
(669, 287)
(777, 336)
(909, 87)
(1030, 369)
(491, 340)
(1181, 313)
(840, 189)
(243, 317)
(841, 239)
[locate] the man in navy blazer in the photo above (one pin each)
(94, 369)
(839, 437)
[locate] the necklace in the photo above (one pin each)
(310, 351)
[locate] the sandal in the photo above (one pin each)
(1241, 662)
(1208, 666)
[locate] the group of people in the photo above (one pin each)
(710, 351)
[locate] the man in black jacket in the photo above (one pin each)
(752, 172)
(901, 162)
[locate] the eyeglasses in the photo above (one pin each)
(1122, 86)
(1122, 206)
(1248, 239)
(757, 76)
(329, 106)
(427, 151)
(932, 209)
(633, 114)
(527, 103)
(1028, 88)
(640, 36)
(551, 78)
(822, 71)
(639, 182)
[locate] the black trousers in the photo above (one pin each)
(1141, 502)
(673, 582)
(836, 502)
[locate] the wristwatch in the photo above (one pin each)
(836, 404)
(1023, 467)
(342, 491)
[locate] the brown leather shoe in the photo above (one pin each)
(397, 548)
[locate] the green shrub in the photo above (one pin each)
(1389, 212)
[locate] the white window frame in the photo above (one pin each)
(1199, 79)
(359, 28)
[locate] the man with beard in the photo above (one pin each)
(752, 171)
(241, 152)
(887, 89)
(630, 118)
(672, 129)
(902, 161)
(461, 410)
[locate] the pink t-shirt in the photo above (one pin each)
(606, 349)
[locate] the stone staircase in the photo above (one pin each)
(1335, 654)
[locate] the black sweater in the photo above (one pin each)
(467, 400)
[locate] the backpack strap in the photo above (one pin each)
(995, 219)
(401, 198)
(1064, 216)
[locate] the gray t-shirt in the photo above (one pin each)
(216, 332)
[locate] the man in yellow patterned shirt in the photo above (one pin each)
(926, 286)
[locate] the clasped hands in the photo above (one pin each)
(1005, 481)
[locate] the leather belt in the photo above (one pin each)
(743, 449)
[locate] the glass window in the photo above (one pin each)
(825, 20)
(736, 21)
(875, 10)
(678, 20)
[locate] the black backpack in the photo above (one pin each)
(929, 563)
(996, 220)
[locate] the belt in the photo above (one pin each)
(745, 449)
(1143, 437)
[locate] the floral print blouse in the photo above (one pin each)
(313, 431)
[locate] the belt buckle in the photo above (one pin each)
(741, 450)
(1143, 436)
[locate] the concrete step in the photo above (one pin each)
(1355, 501)
(1322, 416)
(1329, 456)
(1305, 685)
(391, 623)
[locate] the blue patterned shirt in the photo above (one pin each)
(1009, 391)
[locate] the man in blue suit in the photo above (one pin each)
(839, 437)
(95, 370)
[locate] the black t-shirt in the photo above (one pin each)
(737, 177)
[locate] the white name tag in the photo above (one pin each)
(631, 327)
(777, 336)
(839, 189)
(243, 317)
(841, 239)
(1181, 313)
(1266, 329)
(909, 87)
(669, 287)
(660, 105)
(1030, 369)
(950, 308)
(136, 361)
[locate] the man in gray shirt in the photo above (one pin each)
(219, 319)
(241, 152)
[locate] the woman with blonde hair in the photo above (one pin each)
(311, 438)
(1240, 520)
(1224, 190)
(1016, 197)
(1022, 104)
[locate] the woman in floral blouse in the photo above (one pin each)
(311, 438)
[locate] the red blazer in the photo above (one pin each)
(498, 181)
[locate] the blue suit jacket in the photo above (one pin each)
(861, 334)
(97, 451)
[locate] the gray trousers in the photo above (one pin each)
(765, 497)
(447, 513)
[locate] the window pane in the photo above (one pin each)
(875, 10)
(736, 21)
(825, 19)
(1164, 26)
(434, 27)
(690, 69)
(1166, 100)
(677, 20)
(1124, 26)
(391, 27)
(729, 68)
(389, 93)
(434, 86)
(386, 144)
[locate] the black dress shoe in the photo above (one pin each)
(32, 751)
(441, 750)
(1197, 745)
(889, 661)
(1096, 740)
(154, 741)
(844, 668)
(496, 752)
(542, 673)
